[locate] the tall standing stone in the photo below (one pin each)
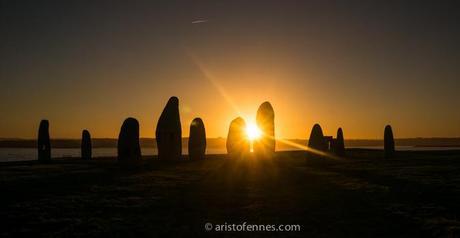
(388, 142)
(169, 132)
(197, 140)
(43, 142)
(86, 145)
(316, 140)
(339, 143)
(237, 141)
(129, 148)
(265, 119)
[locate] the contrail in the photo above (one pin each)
(199, 21)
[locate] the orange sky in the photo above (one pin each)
(298, 102)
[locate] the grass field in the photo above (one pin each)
(416, 194)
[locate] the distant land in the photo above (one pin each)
(220, 142)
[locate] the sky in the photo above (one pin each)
(358, 65)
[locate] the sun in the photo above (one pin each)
(253, 132)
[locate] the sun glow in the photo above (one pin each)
(253, 132)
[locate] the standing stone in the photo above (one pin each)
(237, 141)
(169, 132)
(86, 146)
(43, 142)
(339, 144)
(316, 140)
(197, 140)
(129, 148)
(265, 118)
(389, 143)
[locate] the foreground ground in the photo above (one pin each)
(414, 195)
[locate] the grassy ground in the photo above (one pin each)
(414, 195)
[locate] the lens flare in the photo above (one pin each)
(253, 132)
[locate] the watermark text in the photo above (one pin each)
(245, 227)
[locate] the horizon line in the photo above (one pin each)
(113, 138)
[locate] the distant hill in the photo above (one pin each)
(417, 142)
(220, 143)
(97, 143)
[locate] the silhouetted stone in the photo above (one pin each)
(388, 142)
(86, 147)
(169, 132)
(197, 140)
(129, 148)
(265, 118)
(43, 142)
(316, 140)
(237, 141)
(339, 144)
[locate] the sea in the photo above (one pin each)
(23, 154)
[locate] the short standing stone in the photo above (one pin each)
(265, 118)
(129, 148)
(197, 140)
(43, 142)
(339, 143)
(389, 143)
(316, 140)
(86, 145)
(237, 141)
(168, 132)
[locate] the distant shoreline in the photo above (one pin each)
(220, 142)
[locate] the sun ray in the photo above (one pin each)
(306, 148)
(253, 132)
(213, 80)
